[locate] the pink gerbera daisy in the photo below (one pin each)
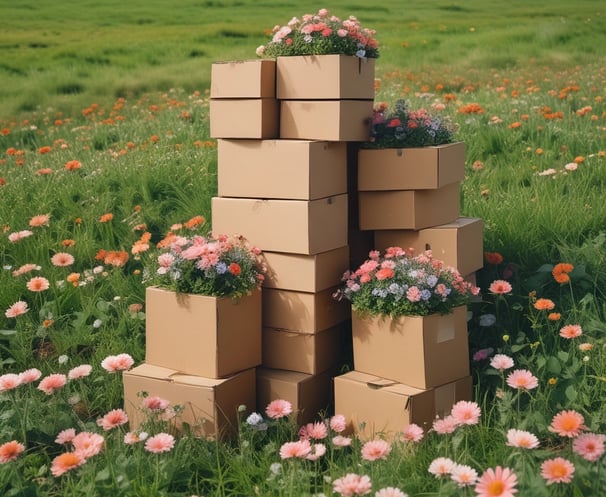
(590, 446)
(567, 423)
(113, 419)
(52, 382)
(375, 449)
(412, 433)
(500, 287)
(522, 439)
(300, 449)
(557, 470)
(162, 442)
(278, 408)
(571, 331)
(466, 413)
(498, 482)
(522, 379)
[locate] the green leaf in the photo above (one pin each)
(7, 333)
(571, 393)
(553, 365)
(563, 356)
(545, 268)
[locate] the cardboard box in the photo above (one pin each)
(459, 244)
(409, 209)
(244, 118)
(200, 335)
(310, 395)
(421, 168)
(306, 273)
(376, 407)
(281, 169)
(319, 77)
(243, 79)
(330, 120)
(303, 311)
(210, 406)
(302, 352)
(420, 351)
(294, 226)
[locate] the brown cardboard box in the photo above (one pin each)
(302, 352)
(330, 120)
(209, 405)
(281, 169)
(319, 77)
(310, 395)
(375, 406)
(306, 273)
(200, 335)
(294, 226)
(420, 351)
(409, 209)
(303, 311)
(411, 168)
(459, 244)
(243, 79)
(244, 118)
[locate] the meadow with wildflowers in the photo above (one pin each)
(88, 191)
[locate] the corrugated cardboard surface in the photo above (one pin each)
(243, 79)
(295, 226)
(422, 352)
(306, 273)
(317, 77)
(409, 209)
(330, 120)
(303, 352)
(377, 407)
(303, 311)
(308, 394)
(411, 168)
(209, 405)
(244, 118)
(459, 244)
(281, 169)
(200, 335)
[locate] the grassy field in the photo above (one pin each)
(104, 141)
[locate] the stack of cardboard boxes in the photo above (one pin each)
(284, 187)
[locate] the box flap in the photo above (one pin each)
(153, 371)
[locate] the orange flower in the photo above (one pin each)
(44, 150)
(471, 109)
(73, 165)
(579, 160)
(39, 220)
(167, 240)
(117, 258)
(106, 218)
(560, 272)
(544, 305)
(234, 268)
(493, 258)
(554, 316)
(194, 221)
(44, 171)
(73, 278)
(68, 242)
(100, 255)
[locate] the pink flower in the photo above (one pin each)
(412, 433)
(444, 426)
(155, 403)
(88, 444)
(9, 381)
(441, 466)
(52, 382)
(352, 484)
(17, 309)
(390, 492)
(567, 424)
(500, 287)
(300, 449)
(571, 331)
(557, 470)
(62, 259)
(66, 462)
(341, 441)
(133, 437)
(590, 446)
(498, 482)
(162, 442)
(338, 423)
(317, 431)
(113, 419)
(466, 413)
(30, 375)
(26, 268)
(37, 284)
(501, 362)
(317, 451)
(79, 372)
(19, 235)
(65, 436)
(9, 451)
(464, 475)
(522, 379)
(413, 294)
(375, 449)
(120, 362)
(278, 408)
(521, 439)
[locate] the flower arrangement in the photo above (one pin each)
(220, 266)
(397, 283)
(321, 34)
(400, 127)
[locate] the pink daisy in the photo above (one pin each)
(317, 451)
(590, 446)
(338, 423)
(30, 375)
(522, 379)
(113, 419)
(162, 442)
(498, 482)
(155, 403)
(390, 492)
(375, 449)
(66, 462)
(300, 449)
(352, 484)
(412, 433)
(445, 426)
(571, 331)
(521, 439)
(341, 441)
(62, 259)
(79, 372)
(37, 284)
(17, 309)
(463, 475)
(500, 287)
(501, 362)
(9, 381)
(441, 466)
(278, 408)
(65, 436)
(52, 382)
(567, 424)
(88, 444)
(557, 470)
(466, 413)
(317, 431)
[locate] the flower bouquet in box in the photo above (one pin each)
(321, 34)
(219, 266)
(397, 283)
(401, 127)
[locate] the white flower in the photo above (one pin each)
(487, 319)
